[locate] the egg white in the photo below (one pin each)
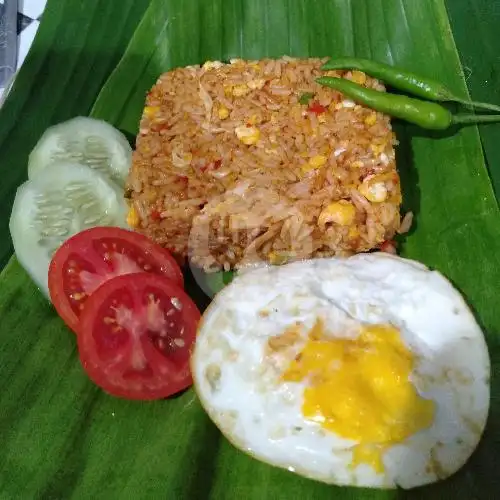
(239, 384)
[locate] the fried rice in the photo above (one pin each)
(253, 161)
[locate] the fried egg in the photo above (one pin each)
(367, 371)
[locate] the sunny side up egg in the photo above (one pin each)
(368, 371)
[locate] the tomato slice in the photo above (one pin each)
(136, 335)
(95, 255)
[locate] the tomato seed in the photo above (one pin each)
(176, 303)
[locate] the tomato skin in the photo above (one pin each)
(69, 304)
(108, 360)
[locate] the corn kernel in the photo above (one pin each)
(340, 212)
(334, 73)
(317, 161)
(212, 65)
(314, 163)
(253, 120)
(247, 135)
(353, 233)
(256, 84)
(133, 217)
(277, 258)
(151, 111)
(240, 90)
(358, 77)
(228, 89)
(371, 119)
(223, 112)
(375, 192)
(378, 148)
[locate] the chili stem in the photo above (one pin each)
(476, 104)
(462, 119)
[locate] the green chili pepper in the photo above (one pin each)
(306, 97)
(425, 114)
(429, 115)
(404, 80)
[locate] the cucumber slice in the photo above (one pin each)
(51, 207)
(87, 141)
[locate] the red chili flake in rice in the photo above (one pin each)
(183, 180)
(316, 108)
(213, 165)
(159, 127)
(389, 246)
(155, 215)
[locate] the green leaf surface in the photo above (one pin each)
(481, 62)
(76, 47)
(61, 436)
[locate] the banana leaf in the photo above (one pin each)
(62, 437)
(481, 63)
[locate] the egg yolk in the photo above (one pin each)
(360, 389)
